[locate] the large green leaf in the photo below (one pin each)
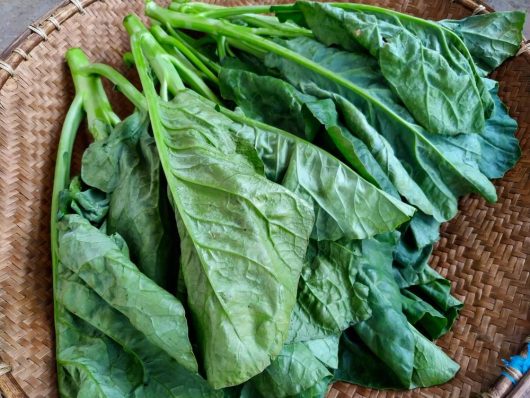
(92, 365)
(307, 113)
(236, 229)
(156, 373)
(330, 296)
(90, 203)
(491, 38)
(126, 166)
(326, 350)
(444, 167)
(346, 206)
(101, 264)
(386, 351)
(415, 56)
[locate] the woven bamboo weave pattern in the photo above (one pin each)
(484, 251)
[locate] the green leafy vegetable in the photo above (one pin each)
(163, 375)
(100, 263)
(385, 351)
(303, 254)
(426, 65)
(308, 171)
(375, 161)
(444, 168)
(295, 370)
(308, 116)
(126, 166)
(239, 331)
(499, 146)
(330, 296)
(490, 38)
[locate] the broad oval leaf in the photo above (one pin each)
(491, 38)
(374, 160)
(444, 167)
(101, 263)
(415, 56)
(346, 206)
(237, 229)
(157, 373)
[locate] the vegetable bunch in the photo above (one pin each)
(261, 224)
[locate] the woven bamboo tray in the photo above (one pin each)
(484, 251)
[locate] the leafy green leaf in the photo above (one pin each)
(91, 365)
(306, 113)
(228, 213)
(491, 38)
(330, 297)
(326, 350)
(101, 264)
(287, 111)
(311, 172)
(415, 56)
(90, 203)
(444, 167)
(295, 370)
(385, 351)
(126, 166)
(157, 373)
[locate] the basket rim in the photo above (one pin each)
(42, 29)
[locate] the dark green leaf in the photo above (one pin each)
(127, 167)
(444, 167)
(311, 172)
(295, 370)
(305, 113)
(415, 56)
(385, 351)
(101, 264)
(500, 148)
(491, 38)
(237, 229)
(157, 374)
(90, 203)
(330, 297)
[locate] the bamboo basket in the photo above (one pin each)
(484, 251)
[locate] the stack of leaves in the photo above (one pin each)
(261, 224)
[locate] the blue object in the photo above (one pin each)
(522, 364)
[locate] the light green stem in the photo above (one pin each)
(123, 85)
(100, 115)
(163, 37)
(60, 182)
(162, 66)
(243, 34)
(190, 44)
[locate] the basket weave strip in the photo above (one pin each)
(484, 251)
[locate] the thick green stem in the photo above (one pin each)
(194, 81)
(193, 45)
(213, 11)
(96, 104)
(60, 182)
(123, 85)
(162, 66)
(163, 37)
(168, 69)
(272, 23)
